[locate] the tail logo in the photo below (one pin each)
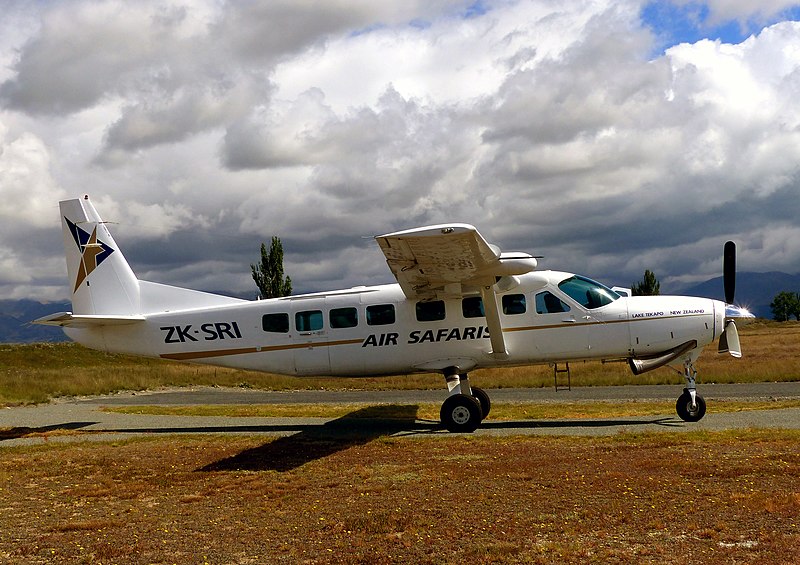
(93, 251)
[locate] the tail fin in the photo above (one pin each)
(101, 281)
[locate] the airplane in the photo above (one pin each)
(459, 304)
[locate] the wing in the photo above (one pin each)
(447, 261)
(450, 261)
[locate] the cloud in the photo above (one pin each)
(174, 116)
(675, 139)
(28, 211)
(83, 52)
(30, 193)
(178, 67)
(204, 128)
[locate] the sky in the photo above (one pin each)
(608, 136)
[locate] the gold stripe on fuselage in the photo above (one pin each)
(189, 355)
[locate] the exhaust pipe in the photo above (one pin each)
(644, 364)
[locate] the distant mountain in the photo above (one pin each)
(753, 290)
(16, 315)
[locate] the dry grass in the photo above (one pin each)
(36, 373)
(654, 498)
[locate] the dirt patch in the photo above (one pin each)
(720, 498)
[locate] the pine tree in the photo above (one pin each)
(268, 273)
(649, 286)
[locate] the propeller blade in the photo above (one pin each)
(729, 271)
(729, 340)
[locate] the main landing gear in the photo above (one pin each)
(690, 406)
(466, 406)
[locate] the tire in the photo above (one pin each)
(461, 414)
(684, 407)
(483, 399)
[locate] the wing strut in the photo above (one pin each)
(493, 321)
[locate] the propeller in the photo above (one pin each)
(729, 271)
(729, 340)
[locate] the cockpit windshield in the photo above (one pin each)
(586, 292)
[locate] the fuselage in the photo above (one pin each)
(547, 317)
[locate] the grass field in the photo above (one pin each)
(37, 373)
(712, 498)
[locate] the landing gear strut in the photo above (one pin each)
(466, 407)
(691, 407)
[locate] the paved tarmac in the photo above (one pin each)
(86, 419)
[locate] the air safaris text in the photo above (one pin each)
(428, 336)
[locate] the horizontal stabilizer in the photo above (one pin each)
(70, 320)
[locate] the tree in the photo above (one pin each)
(649, 286)
(784, 305)
(268, 273)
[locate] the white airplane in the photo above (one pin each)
(460, 304)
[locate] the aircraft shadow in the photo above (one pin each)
(668, 422)
(367, 424)
(22, 431)
(320, 441)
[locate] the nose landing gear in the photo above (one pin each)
(691, 407)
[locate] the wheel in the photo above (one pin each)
(684, 407)
(483, 399)
(461, 413)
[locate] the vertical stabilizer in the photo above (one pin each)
(100, 279)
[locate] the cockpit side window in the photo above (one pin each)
(586, 292)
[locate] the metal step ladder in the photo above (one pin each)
(558, 377)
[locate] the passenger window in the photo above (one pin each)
(430, 311)
(310, 321)
(277, 323)
(472, 307)
(344, 317)
(380, 314)
(514, 304)
(549, 303)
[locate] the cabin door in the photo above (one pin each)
(310, 337)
